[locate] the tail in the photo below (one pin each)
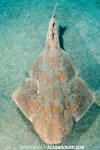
(52, 36)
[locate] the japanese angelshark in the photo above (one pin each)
(54, 97)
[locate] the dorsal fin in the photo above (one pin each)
(52, 36)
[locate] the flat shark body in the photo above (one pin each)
(54, 97)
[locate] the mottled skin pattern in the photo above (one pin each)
(53, 97)
(54, 120)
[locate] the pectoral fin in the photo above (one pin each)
(25, 97)
(81, 98)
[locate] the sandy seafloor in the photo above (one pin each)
(23, 29)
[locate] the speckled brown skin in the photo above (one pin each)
(53, 97)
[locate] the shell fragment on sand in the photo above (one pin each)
(47, 99)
